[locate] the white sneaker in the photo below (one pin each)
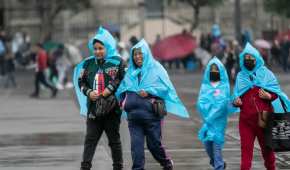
(69, 85)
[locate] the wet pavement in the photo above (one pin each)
(48, 133)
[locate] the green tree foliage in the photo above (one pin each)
(196, 5)
(280, 7)
(49, 9)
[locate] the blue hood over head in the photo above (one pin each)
(154, 80)
(112, 54)
(261, 77)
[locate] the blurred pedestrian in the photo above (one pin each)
(285, 52)
(145, 83)
(62, 65)
(41, 66)
(217, 46)
(276, 53)
(256, 87)
(123, 51)
(246, 37)
(2, 52)
(203, 42)
(133, 40)
(19, 46)
(9, 68)
(213, 100)
(230, 59)
(96, 80)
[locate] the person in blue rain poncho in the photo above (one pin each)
(262, 77)
(145, 81)
(214, 106)
(256, 91)
(96, 80)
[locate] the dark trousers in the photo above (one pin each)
(40, 78)
(95, 128)
(2, 66)
(151, 129)
(10, 79)
(285, 63)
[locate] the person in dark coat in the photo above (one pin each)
(98, 80)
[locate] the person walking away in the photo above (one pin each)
(62, 65)
(285, 52)
(40, 78)
(276, 53)
(2, 52)
(230, 59)
(10, 68)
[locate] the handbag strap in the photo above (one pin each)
(283, 104)
(254, 100)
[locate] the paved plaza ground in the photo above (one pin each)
(48, 133)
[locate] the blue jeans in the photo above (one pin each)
(151, 130)
(214, 152)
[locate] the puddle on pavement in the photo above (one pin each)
(51, 139)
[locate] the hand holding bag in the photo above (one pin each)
(105, 105)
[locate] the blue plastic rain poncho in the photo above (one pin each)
(214, 105)
(111, 52)
(154, 80)
(261, 77)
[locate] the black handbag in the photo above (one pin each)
(277, 131)
(159, 107)
(105, 105)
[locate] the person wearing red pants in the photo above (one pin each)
(249, 128)
(255, 88)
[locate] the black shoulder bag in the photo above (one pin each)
(277, 131)
(159, 107)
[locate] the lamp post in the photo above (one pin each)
(163, 18)
(142, 18)
(237, 20)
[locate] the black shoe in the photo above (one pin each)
(54, 93)
(85, 169)
(34, 95)
(225, 165)
(85, 166)
(117, 168)
(169, 166)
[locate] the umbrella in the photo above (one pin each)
(175, 46)
(260, 43)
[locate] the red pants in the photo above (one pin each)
(248, 133)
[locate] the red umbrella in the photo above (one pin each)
(175, 46)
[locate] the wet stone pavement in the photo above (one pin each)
(48, 133)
